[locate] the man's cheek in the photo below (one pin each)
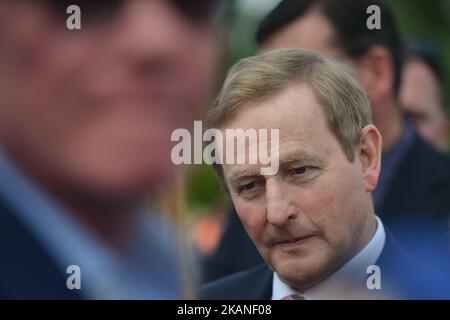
(327, 216)
(252, 217)
(320, 204)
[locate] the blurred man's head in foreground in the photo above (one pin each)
(316, 212)
(339, 30)
(422, 93)
(90, 112)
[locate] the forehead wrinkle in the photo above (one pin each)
(243, 172)
(302, 155)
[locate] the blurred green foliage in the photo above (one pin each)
(203, 188)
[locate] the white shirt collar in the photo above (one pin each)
(331, 287)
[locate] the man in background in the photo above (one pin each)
(422, 93)
(86, 119)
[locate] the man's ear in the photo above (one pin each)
(376, 72)
(370, 156)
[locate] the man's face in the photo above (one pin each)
(95, 108)
(310, 217)
(420, 98)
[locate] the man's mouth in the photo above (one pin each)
(292, 242)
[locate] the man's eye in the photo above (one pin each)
(299, 170)
(247, 186)
(251, 190)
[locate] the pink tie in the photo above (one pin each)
(293, 297)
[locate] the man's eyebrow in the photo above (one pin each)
(302, 156)
(243, 173)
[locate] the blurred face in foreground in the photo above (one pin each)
(92, 110)
(316, 212)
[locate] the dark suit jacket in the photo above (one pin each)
(398, 270)
(419, 194)
(26, 269)
(421, 185)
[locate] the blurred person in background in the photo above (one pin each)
(415, 177)
(86, 120)
(422, 93)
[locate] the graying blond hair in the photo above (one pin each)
(259, 77)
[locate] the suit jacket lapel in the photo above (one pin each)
(263, 288)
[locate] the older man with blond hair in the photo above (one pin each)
(313, 221)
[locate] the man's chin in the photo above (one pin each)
(300, 273)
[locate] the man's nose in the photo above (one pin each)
(279, 208)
